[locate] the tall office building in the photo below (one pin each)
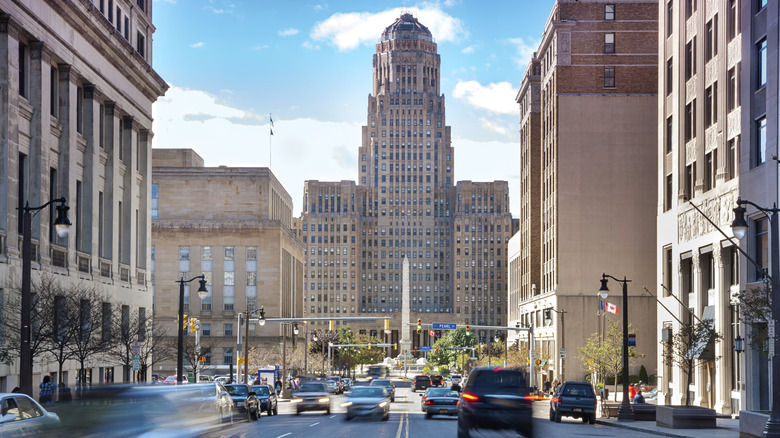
(587, 128)
(406, 204)
(717, 116)
(75, 121)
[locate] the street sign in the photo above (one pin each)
(136, 347)
(771, 328)
(136, 363)
(563, 353)
(425, 348)
(532, 354)
(445, 326)
(632, 339)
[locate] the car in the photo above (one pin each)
(339, 383)
(268, 400)
(333, 386)
(574, 399)
(456, 379)
(171, 380)
(21, 415)
(421, 382)
(347, 383)
(387, 384)
(313, 396)
(495, 398)
(213, 399)
(439, 401)
(437, 380)
(368, 401)
(245, 401)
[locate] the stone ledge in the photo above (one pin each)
(685, 417)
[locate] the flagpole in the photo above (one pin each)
(270, 138)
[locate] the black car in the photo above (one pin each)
(387, 384)
(267, 397)
(437, 380)
(495, 398)
(574, 399)
(421, 382)
(313, 396)
(245, 401)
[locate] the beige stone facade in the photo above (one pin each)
(235, 226)
(75, 120)
(588, 179)
(717, 134)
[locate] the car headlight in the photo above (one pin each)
(383, 404)
(346, 405)
(296, 400)
(324, 400)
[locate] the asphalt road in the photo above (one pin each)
(406, 421)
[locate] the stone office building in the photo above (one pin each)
(75, 121)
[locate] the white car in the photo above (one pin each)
(456, 379)
(21, 415)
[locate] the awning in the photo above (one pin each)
(704, 349)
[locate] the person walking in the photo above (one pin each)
(47, 390)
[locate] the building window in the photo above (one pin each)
(79, 110)
(229, 253)
(690, 8)
(733, 90)
(732, 27)
(690, 180)
(761, 248)
(669, 135)
(609, 77)
(710, 169)
(669, 17)
(760, 141)
(761, 60)
(711, 105)
(609, 12)
(251, 253)
(690, 59)
(205, 329)
(53, 84)
(711, 44)
(23, 64)
(761, 4)
(228, 330)
(227, 356)
(227, 303)
(609, 43)
(155, 194)
(690, 121)
(731, 159)
(668, 193)
(184, 253)
(669, 76)
(140, 43)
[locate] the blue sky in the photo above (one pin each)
(309, 63)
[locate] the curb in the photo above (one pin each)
(641, 429)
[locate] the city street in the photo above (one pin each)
(406, 420)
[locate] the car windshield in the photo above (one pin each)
(380, 383)
(442, 392)
(578, 390)
(505, 378)
(261, 390)
(239, 390)
(208, 390)
(367, 391)
(312, 386)
(422, 378)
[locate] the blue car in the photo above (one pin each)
(267, 397)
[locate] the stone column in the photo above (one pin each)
(111, 186)
(723, 349)
(67, 138)
(9, 134)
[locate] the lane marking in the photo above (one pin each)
(332, 416)
(282, 436)
(314, 424)
(406, 415)
(400, 426)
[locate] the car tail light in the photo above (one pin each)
(535, 397)
(470, 397)
(428, 402)
(556, 400)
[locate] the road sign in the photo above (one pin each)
(136, 363)
(532, 354)
(771, 328)
(632, 339)
(445, 326)
(563, 353)
(425, 348)
(136, 347)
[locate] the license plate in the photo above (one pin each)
(577, 410)
(442, 411)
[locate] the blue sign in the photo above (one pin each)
(632, 340)
(445, 326)
(425, 348)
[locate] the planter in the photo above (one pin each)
(751, 424)
(685, 417)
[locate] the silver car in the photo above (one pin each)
(439, 401)
(21, 415)
(368, 401)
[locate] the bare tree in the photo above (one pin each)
(88, 340)
(755, 308)
(687, 345)
(44, 289)
(62, 330)
(155, 347)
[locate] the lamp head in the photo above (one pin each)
(739, 226)
(295, 328)
(262, 316)
(603, 290)
(739, 346)
(62, 223)
(203, 292)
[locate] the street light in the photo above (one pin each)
(548, 321)
(740, 227)
(202, 294)
(61, 226)
(739, 346)
(261, 321)
(625, 413)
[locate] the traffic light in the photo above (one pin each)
(330, 326)
(436, 350)
(184, 322)
(419, 326)
(387, 324)
(194, 325)
(395, 346)
(468, 330)
(538, 362)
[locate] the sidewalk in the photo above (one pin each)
(727, 428)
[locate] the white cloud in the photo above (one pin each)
(525, 48)
(225, 135)
(495, 97)
(198, 45)
(349, 30)
(262, 47)
(469, 49)
(319, 7)
(288, 32)
(494, 126)
(309, 45)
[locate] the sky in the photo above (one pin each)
(232, 64)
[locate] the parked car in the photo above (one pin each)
(421, 382)
(268, 399)
(313, 396)
(339, 383)
(368, 401)
(455, 379)
(21, 415)
(333, 386)
(574, 399)
(387, 384)
(347, 383)
(171, 380)
(245, 401)
(437, 380)
(439, 401)
(495, 398)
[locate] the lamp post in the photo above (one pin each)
(625, 413)
(202, 294)
(740, 227)
(61, 225)
(261, 321)
(548, 318)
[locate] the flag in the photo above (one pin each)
(431, 333)
(601, 304)
(612, 308)
(272, 123)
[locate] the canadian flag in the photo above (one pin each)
(431, 333)
(612, 308)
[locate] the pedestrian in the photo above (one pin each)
(632, 391)
(278, 386)
(47, 390)
(16, 389)
(639, 398)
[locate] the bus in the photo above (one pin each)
(376, 371)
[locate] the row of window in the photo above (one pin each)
(122, 22)
(206, 253)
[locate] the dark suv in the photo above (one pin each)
(437, 380)
(495, 398)
(421, 382)
(574, 399)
